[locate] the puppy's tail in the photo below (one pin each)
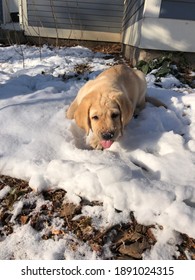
(155, 102)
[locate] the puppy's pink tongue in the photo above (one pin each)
(106, 143)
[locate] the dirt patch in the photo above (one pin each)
(125, 241)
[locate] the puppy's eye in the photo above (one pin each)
(96, 118)
(114, 115)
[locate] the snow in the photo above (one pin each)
(4, 191)
(150, 170)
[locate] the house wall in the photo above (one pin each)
(9, 12)
(172, 27)
(87, 20)
(13, 5)
(168, 35)
(131, 27)
(133, 12)
(159, 25)
(142, 24)
(1, 12)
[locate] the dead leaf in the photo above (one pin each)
(24, 219)
(69, 210)
(55, 231)
(135, 249)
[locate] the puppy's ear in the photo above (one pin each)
(126, 109)
(81, 115)
(71, 110)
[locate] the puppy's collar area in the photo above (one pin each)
(89, 136)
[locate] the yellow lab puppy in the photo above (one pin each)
(103, 106)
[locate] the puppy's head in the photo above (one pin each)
(104, 116)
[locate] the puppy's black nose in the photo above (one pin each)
(107, 135)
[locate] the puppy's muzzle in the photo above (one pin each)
(107, 135)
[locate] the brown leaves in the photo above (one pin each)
(186, 248)
(18, 189)
(68, 210)
(55, 218)
(132, 240)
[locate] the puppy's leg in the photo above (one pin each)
(140, 106)
(155, 102)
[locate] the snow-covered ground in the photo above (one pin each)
(150, 171)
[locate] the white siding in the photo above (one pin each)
(133, 14)
(161, 25)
